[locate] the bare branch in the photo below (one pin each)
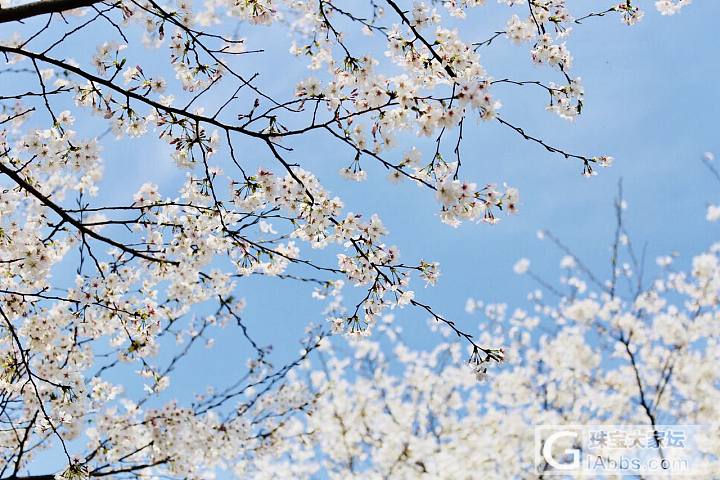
(42, 7)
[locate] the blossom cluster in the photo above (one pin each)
(105, 295)
(598, 354)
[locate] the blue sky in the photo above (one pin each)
(651, 102)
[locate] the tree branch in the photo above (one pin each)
(33, 9)
(69, 219)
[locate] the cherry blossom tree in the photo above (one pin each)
(627, 350)
(156, 273)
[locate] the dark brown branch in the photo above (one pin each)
(34, 9)
(422, 39)
(72, 221)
